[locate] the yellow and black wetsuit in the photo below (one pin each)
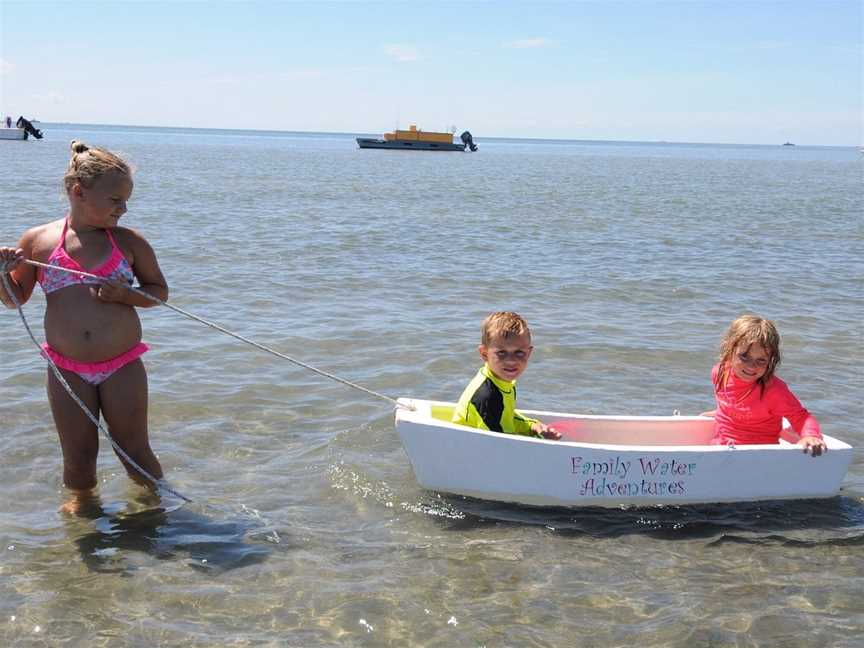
(489, 403)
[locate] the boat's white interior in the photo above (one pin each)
(624, 430)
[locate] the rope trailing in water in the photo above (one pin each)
(236, 336)
(159, 483)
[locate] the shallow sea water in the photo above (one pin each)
(308, 529)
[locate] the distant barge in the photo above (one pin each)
(418, 140)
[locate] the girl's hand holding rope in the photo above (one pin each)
(10, 258)
(110, 291)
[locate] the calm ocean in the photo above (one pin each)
(308, 528)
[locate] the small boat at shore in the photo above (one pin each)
(610, 461)
(21, 131)
(418, 140)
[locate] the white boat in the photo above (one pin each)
(23, 129)
(610, 461)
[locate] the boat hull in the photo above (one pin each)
(407, 145)
(13, 134)
(629, 461)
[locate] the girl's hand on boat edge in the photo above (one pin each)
(815, 446)
(709, 414)
(544, 431)
(10, 258)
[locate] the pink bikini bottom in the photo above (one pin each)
(96, 373)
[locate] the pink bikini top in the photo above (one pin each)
(116, 267)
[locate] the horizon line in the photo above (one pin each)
(478, 138)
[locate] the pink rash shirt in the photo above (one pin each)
(745, 415)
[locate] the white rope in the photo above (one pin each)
(159, 483)
(221, 329)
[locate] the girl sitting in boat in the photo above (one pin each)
(751, 401)
(92, 329)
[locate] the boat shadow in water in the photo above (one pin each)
(169, 534)
(837, 520)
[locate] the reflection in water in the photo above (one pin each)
(826, 521)
(166, 533)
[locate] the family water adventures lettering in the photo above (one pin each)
(640, 477)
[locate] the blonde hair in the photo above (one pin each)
(88, 164)
(503, 324)
(746, 331)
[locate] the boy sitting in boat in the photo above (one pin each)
(489, 400)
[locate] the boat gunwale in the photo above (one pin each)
(425, 418)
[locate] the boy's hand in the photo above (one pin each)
(814, 445)
(544, 431)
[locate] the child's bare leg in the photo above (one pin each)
(123, 398)
(79, 438)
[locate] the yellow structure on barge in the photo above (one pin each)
(414, 135)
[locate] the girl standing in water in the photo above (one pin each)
(92, 329)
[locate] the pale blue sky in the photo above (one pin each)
(726, 71)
